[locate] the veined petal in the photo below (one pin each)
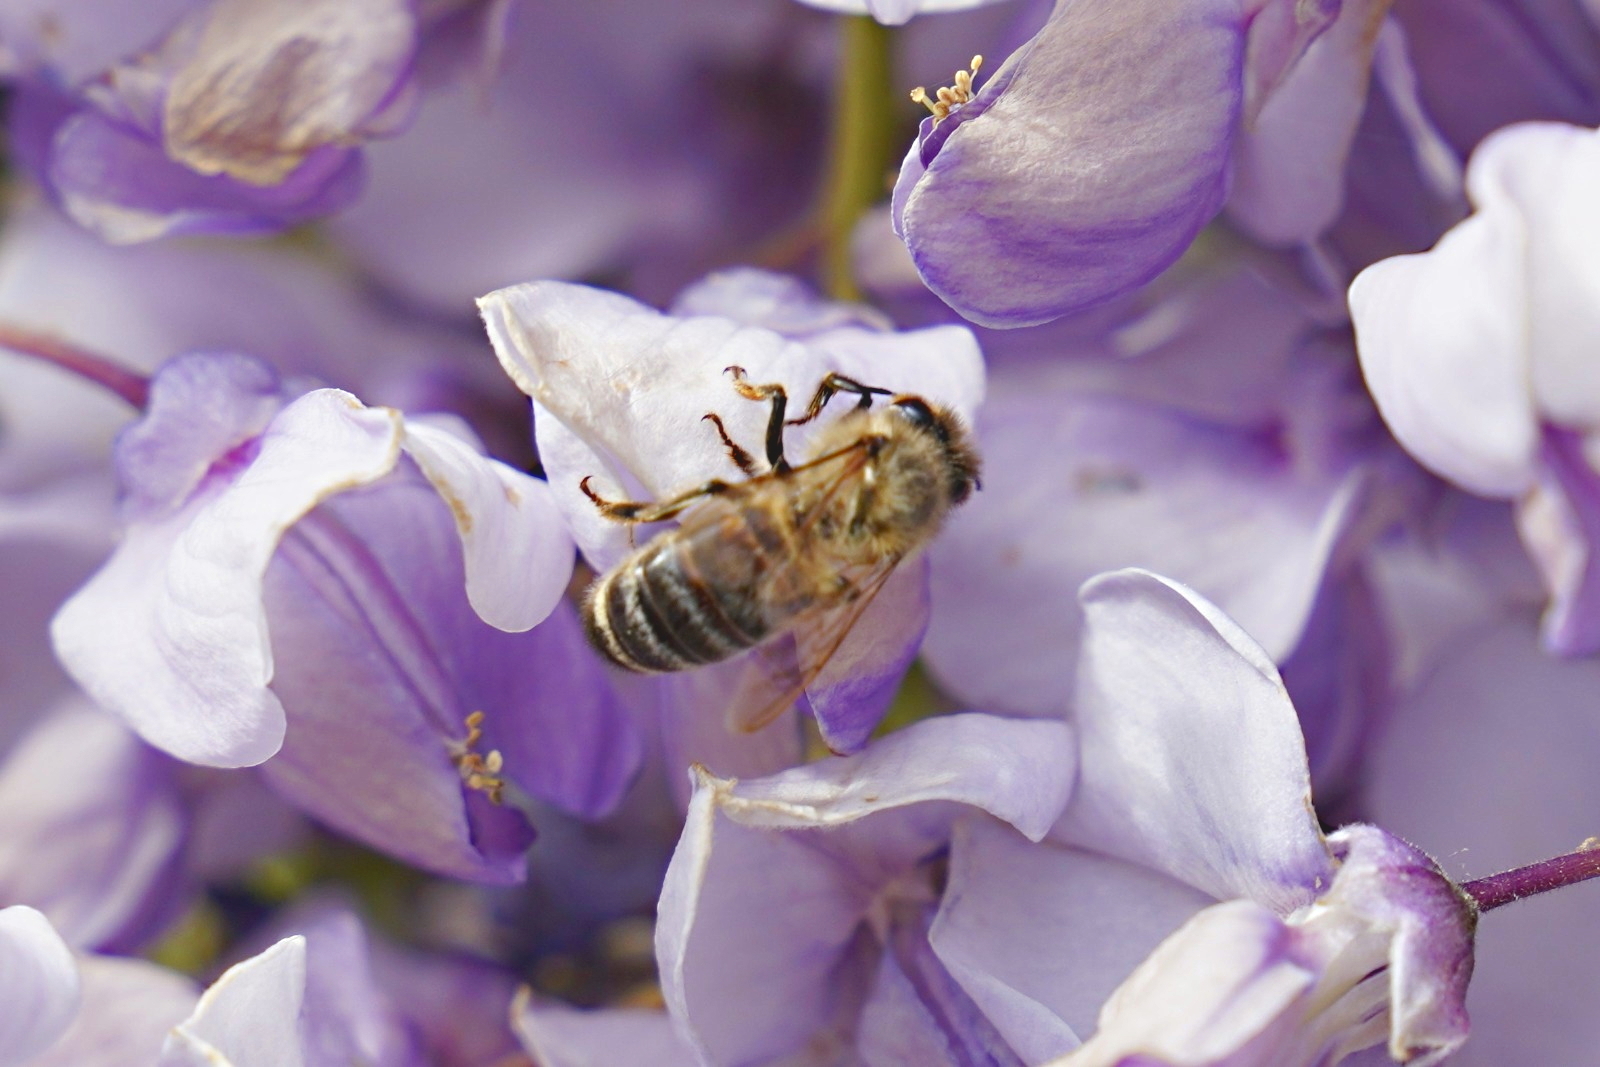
(1039, 936)
(250, 1017)
(1220, 508)
(851, 826)
(171, 633)
(38, 984)
(517, 551)
(1209, 996)
(1017, 770)
(1382, 958)
(259, 86)
(1193, 763)
(1084, 167)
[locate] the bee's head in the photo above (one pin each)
(944, 426)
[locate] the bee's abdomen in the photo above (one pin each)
(660, 611)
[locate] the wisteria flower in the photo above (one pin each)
(96, 850)
(1090, 159)
(323, 995)
(912, 929)
(237, 117)
(621, 394)
(1212, 428)
(1477, 355)
(261, 608)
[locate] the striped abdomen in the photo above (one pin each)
(691, 596)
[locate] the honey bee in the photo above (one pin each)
(793, 549)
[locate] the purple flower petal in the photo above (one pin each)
(918, 1013)
(129, 1005)
(1489, 764)
(368, 611)
(1221, 508)
(1017, 770)
(1215, 993)
(852, 691)
(91, 849)
(1382, 957)
(345, 1018)
(853, 826)
(260, 87)
(1559, 521)
(1387, 886)
(51, 539)
(38, 984)
(1040, 936)
(1289, 164)
(171, 633)
(559, 1036)
(250, 1017)
(114, 181)
(1084, 166)
(1192, 761)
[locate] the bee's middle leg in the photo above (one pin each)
(780, 404)
(632, 511)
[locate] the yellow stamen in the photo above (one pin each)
(480, 771)
(948, 98)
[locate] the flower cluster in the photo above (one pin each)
(525, 542)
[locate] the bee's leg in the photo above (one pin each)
(838, 383)
(650, 511)
(780, 403)
(740, 457)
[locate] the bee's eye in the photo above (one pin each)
(915, 410)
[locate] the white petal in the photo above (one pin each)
(38, 985)
(517, 551)
(250, 1017)
(171, 633)
(1444, 343)
(1193, 763)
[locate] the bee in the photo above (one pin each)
(793, 549)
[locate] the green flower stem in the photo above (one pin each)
(862, 145)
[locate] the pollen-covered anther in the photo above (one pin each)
(948, 98)
(479, 771)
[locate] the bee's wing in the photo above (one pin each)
(787, 667)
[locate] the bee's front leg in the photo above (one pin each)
(838, 383)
